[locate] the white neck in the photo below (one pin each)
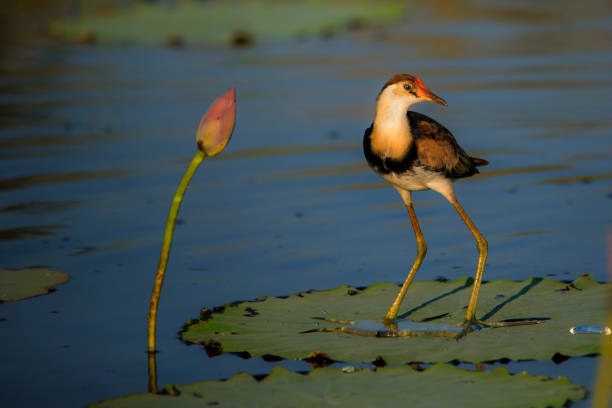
(391, 135)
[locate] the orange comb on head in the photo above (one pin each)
(420, 84)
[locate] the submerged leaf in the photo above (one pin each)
(287, 328)
(438, 386)
(25, 283)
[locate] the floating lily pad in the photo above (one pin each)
(218, 22)
(438, 386)
(25, 283)
(284, 327)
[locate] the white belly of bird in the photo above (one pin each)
(420, 179)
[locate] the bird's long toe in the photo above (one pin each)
(474, 325)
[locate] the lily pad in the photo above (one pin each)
(26, 283)
(438, 386)
(284, 326)
(216, 22)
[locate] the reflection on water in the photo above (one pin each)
(286, 150)
(41, 207)
(36, 179)
(527, 233)
(28, 231)
(355, 187)
(51, 140)
(577, 179)
(521, 170)
(323, 171)
(93, 141)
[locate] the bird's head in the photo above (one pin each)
(407, 90)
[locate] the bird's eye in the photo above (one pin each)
(408, 87)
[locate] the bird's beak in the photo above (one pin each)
(425, 93)
(430, 96)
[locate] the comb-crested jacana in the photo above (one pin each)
(414, 152)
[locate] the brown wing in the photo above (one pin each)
(437, 149)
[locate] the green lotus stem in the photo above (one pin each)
(152, 367)
(213, 134)
(167, 243)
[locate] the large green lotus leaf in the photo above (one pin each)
(276, 326)
(25, 283)
(439, 386)
(214, 22)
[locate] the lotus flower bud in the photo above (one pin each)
(217, 124)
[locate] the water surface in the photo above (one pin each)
(94, 140)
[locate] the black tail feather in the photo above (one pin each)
(479, 162)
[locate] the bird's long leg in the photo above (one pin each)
(481, 242)
(421, 252)
(470, 322)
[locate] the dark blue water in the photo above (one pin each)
(94, 140)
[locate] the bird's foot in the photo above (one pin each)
(473, 324)
(470, 325)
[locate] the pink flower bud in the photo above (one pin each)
(217, 124)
